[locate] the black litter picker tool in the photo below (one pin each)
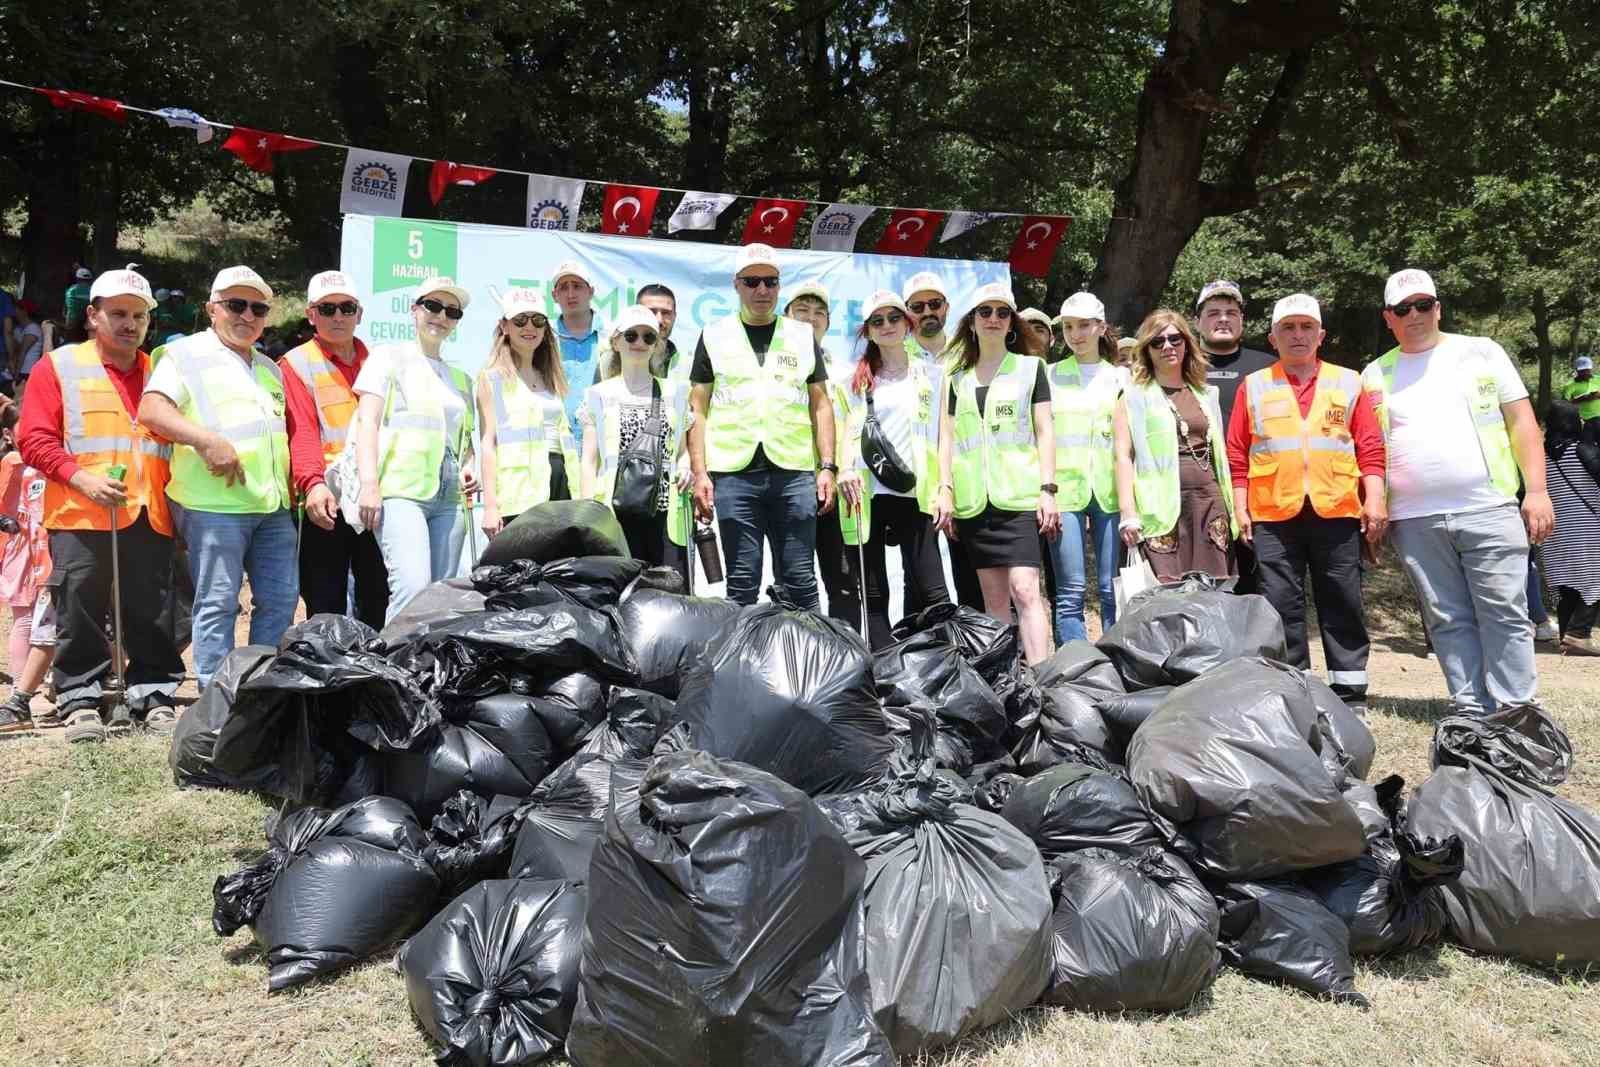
(121, 717)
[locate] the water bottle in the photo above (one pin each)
(705, 543)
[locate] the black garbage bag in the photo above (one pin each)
(477, 655)
(591, 581)
(1130, 932)
(494, 976)
(949, 748)
(1084, 667)
(726, 893)
(569, 705)
(1233, 758)
(471, 839)
(557, 530)
(583, 785)
(1064, 723)
(1389, 897)
(925, 670)
(1280, 931)
(1176, 633)
(1348, 746)
(635, 720)
(792, 693)
(659, 580)
(195, 738)
(554, 844)
(957, 909)
(666, 634)
(1124, 715)
(1521, 742)
(490, 747)
(333, 888)
(990, 793)
(993, 648)
(328, 694)
(435, 605)
(1072, 807)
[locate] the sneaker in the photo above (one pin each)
(1579, 646)
(120, 721)
(85, 725)
(161, 720)
(1546, 631)
(14, 717)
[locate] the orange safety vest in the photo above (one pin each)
(100, 434)
(1292, 458)
(336, 401)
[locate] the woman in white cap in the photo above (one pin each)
(891, 468)
(997, 460)
(1084, 387)
(615, 413)
(414, 446)
(526, 450)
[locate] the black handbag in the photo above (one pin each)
(877, 451)
(637, 492)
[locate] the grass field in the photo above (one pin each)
(107, 955)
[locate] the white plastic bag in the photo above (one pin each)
(1134, 578)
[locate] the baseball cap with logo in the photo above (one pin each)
(517, 301)
(1296, 304)
(439, 283)
(885, 298)
(1583, 363)
(923, 282)
(229, 277)
(330, 283)
(1035, 315)
(1220, 287)
(570, 268)
(994, 291)
(754, 255)
(635, 317)
(815, 290)
(1409, 282)
(1083, 306)
(123, 282)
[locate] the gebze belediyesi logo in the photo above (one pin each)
(549, 215)
(376, 179)
(836, 224)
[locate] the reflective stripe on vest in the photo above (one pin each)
(605, 404)
(995, 458)
(1154, 431)
(411, 439)
(244, 404)
(766, 403)
(1086, 465)
(1295, 458)
(522, 444)
(335, 400)
(99, 433)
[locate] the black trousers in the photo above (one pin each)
(1245, 555)
(836, 563)
(80, 590)
(329, 557)
(1331, 548)
(648, 541)
(896, 521)
(969, 593)
(1573, 615)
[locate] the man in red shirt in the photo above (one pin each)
(1307, 458)
(317, 381)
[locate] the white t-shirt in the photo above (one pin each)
(31, 338)
(1436, 463)
(379, 369)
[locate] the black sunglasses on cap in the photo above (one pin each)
(434, 307)
(330, 309)
(633, 336)
(1423, 304)
(519, 321)
(756, 283)
(931, 304)
(237, 306)
(1001, 312)
(893, 318)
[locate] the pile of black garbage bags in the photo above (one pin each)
(604, 818)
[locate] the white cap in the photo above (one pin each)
(330, 283)
(229, 277)
(439, 283)
(1035, 315)
(1409, 282)
(1083, 305)
(992, 292)
(514, 302)
(123, 282)
(1583, 363)
(885, 298)
(1220, 287)
(754, 255)
(815, 290)
(924, 282)
(161, 294)
(1296, 304)
(179, 293)
(82, 274)
(633, 317)
(572, 268)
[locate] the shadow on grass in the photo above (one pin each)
(243, 955)
(1425, 710)
(1431, 963)
(1419, 965)
(1404, 645)
(1024, 1026)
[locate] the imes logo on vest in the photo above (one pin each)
(376, 179)
(549, 215)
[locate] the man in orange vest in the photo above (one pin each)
(77, 425)
(1307, 456)
(317, 391)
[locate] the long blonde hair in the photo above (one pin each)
(1194, 360)
(546, 357)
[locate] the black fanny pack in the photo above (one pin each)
(877, 451)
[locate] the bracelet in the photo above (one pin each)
(947, 485)
(1130, 524)
(830, 467)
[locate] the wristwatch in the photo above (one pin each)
(831, 468)
(1048, 487)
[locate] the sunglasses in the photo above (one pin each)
(893, 318)
(1002, 312)
(238, 306)
(931, 304)
(330, 309)
(519, 321)
(633, 337)
(756, 283)
(435, 307)
(1167, 340)
(1423, 304)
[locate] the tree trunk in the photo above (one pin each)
(51, 239)
(108, 218)
(1543, 349)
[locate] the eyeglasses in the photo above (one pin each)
(756, 283)
(330, 309)
(435, 307)
(1002, 312)
(633, 337)
(237, 306)
(519, 321)
(1423, 304)
(931, 304)
(893, 318)
(1167, 340)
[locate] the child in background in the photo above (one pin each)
(24, 566)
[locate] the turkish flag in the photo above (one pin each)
(1036, 243)
(910, 232)
(772, 222)
(446, 174)
(256, 148)
(67, 100)
(628, 210)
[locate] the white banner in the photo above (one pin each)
(374, 183)
(961, 222)
(553, 203)
(699, 211)
(836, 227)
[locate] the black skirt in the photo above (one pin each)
(995, 538)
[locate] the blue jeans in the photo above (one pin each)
(223, 550)
(1071, 566)
(1471, 574)
(421, 540)
(776, 506)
